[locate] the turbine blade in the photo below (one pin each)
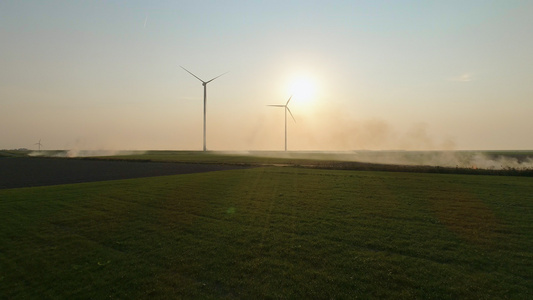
(193, 75)
(215, 78)
(288, 100)
(290, 113)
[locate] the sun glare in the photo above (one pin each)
(303, 89)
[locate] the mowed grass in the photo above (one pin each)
(271, 232)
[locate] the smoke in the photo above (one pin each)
(94, 153)
(331, 133)
(84, 153)
(451, 159)
(459, 159)
(335, 129)
(455, 159)
(37, 153)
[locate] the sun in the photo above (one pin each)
(303, 88)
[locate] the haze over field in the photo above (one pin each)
(377, 75)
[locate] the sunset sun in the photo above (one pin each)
(303, 88)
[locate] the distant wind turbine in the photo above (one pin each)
(286, 106)
(204, 83)
(39, 144)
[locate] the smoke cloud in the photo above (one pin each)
(450, 159)
(460, 159)
(83, 153)
(335, 129)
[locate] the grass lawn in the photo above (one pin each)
(271, 232)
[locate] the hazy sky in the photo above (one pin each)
(372, 74)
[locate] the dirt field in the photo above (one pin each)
(26, 171)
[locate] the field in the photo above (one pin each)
(270, 232)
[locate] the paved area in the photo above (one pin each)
(30, 171)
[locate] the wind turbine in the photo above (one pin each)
(286, 106)
(39, 143)
(204, 83)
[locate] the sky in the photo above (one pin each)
(372, 75)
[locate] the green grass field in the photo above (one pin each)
(271, 232)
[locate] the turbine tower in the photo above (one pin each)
(204, 83)
(286, 106)
(39, 144)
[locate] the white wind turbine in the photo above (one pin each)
(286, 106)
(39, 144)
(204, 83)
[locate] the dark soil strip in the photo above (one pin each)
(26, 172)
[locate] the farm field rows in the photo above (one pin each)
(271, 232)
